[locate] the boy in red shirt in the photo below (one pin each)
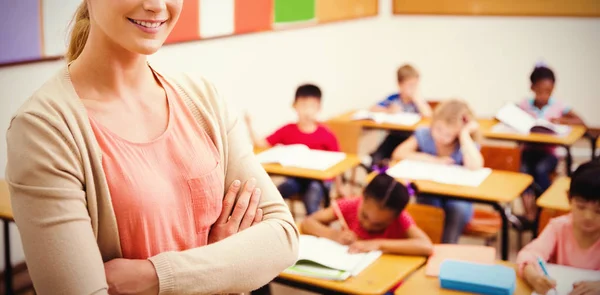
(307, 131)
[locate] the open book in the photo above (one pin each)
(300, 156)
(448, 174)
(326, 259)
(566, 276)
(516, 119)
(406, 119)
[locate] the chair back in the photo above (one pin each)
(428, 218)
(347, 134)
(502, 157)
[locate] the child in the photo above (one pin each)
(540, 160)
(449, 140)
(406, 100)
(377, 221)
(307, 131)
(572, 239)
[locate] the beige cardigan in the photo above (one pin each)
(63, 209)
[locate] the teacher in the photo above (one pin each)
(118, 172)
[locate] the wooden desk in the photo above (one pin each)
(419, 283)
(347, 117)
(7, 217)
(577, 132)
(498, 188)
(555, 197)
(378, 278)
(348, 163)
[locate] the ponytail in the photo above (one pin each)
(80, 32)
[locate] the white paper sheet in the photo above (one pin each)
(448, 174)
(566, 276)
(334, 255)
(300, 156)
(405, 119)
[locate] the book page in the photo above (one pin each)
(566, 276)
(405, 119)
(279, 153)
(513, 116)
(448, 174)
(313, 159)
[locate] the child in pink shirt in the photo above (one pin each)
(570, 240)
(377, 221)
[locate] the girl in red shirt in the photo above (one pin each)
(375, 221)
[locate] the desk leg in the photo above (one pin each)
(8, 263)
(327, 195)
(504, 233)
(569, 161)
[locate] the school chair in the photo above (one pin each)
(546, 215)
(433, 103)
(593, 135)
(428, 218)
(348, 136)
(486, 223)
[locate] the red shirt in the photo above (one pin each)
(321, 139)
(396, 230)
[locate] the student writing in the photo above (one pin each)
(451, 139)
(406, 100)
(375, 221)
(570, 240)
(308, 131)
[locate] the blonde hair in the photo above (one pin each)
(406, 72)
(80, 31)
(455, 112)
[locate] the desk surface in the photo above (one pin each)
(348, 163)
(499, 186)
(419, 283)
(5, 208)
(347, 117)
(378, 278)
(555, 197)
(577, 132)
(486, 126)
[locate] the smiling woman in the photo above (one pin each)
(130, 178)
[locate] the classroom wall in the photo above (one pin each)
(485, 60)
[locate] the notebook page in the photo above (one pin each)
(279, 153)
(328, 253)
(510, 114)
(367, 260)
(566, 276)
(405, 119)
(448, 174)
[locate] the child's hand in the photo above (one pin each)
(470, 127)
(541, 284)
(363, 247)
(586, 288)
(344, 237)
(445, 161)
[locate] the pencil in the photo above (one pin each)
(340, 216)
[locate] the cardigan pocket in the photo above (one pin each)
(206, 194)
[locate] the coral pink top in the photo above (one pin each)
(350, 207)
(557, 245)
(168, 192)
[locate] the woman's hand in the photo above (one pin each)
(245, 214)
(586, 288)
(131, 276)
(363, 247)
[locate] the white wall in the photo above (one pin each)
(486, 60)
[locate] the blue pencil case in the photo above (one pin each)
(477, 278)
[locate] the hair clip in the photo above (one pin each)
(410, 189)
(540, 64)
(380, 169)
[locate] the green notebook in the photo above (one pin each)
(287, 11)
(326, 259)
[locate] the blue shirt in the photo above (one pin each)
(426, 144)
(396, 98)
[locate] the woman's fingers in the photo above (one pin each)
(251, 212)
(241, 206)
(228, 201)
(259, 216)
